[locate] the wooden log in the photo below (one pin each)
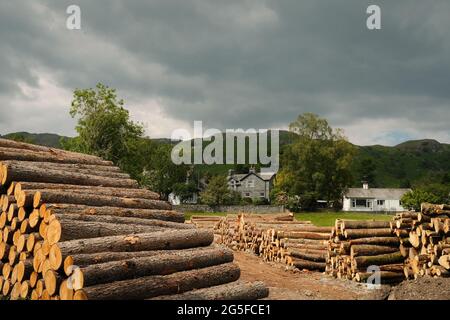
(169, 240)
(370, 250)
(66, 230)
(123, 221)
(303, 235)
(153, 286)
(384, 277)
(308, 255)
(238, 290)
(444, 261)
(165, 215)
(309, 265)
(54, 196)
(382, 259)
(76, 168)
(364, 233)
(53, 156)
(15, 172)
(109, 191)
(364, 224)
(162, 264)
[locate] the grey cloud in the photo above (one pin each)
(241, 63)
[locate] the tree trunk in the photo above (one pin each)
(385, 276)
(124, 221)
(231, 291)
(67, 197)
(165, 215)
(382, 259)
(12, 173)
(107, 191)
(347, 224)
(168, 240)
(101, 171)
(65, 230)
(364, 233)
(303, 235)
(162, 264)
(370, 250)
(308, 255)
(309, 265)
(153, 286)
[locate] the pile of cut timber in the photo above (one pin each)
(426, 245)
(205, 222)
(73, 226)
(276, 238)
(357, 245)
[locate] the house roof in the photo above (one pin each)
(379, 193)
(263, 176)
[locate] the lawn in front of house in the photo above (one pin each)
(324, 219)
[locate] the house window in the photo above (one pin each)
(380, 202)
(247, 194)
(359, 203)
(250, 184)
(262, 195)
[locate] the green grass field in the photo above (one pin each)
(317, 218)
(324, 219)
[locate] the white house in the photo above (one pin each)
(373, 199)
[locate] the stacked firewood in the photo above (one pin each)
(357, 246)
(276, 238)
(205, 222)
(426, 245)
(73, 226)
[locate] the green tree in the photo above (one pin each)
(217, 192)
(366, 172)
(104, 126)
(184, 190)
(413, 199)
(160, 174)
(317, 164)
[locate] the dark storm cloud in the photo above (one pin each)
(246, 63)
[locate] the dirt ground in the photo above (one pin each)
(286, 285)
(422, 289)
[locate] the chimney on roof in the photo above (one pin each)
(230, 173)
(252, 170)
(365, 185)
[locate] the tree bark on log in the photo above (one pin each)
(310, 256)
(231, 291)
(64, 197)
(382, 259)
(162, 264)
(350, 224)
(108, 191)
(12, 173)
(385, 277)
(65, 230)
(309, 265)
(370, 250)
(168, 240)
(165, 215)
(53, 156)
(124, 221)
(303, 235)
(153, 286)
(101, 171)
(364, 233)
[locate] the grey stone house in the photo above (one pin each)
(251, 185)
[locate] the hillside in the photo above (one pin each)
(398, 166)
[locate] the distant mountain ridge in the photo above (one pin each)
(396, 166)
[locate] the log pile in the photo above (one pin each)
(205, 222)
(426, 245)
(74, 227)
(276, 238)
(356, 245)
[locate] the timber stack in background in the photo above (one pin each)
(73, 226)
(426, 241)
(276, 238)
(356, 247)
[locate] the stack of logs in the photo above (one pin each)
(276, 238)
(425, 240)
(356, 245)
(74, 226)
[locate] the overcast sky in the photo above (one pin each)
(232, 64)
